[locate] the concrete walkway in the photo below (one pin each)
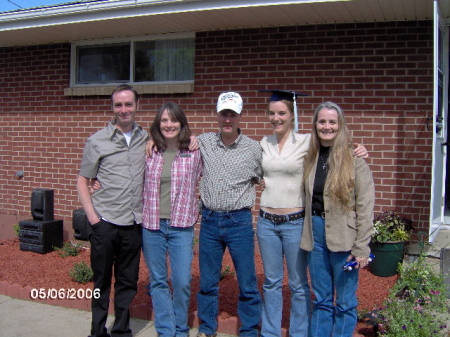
(22, 318)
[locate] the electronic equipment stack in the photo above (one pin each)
(42, 233)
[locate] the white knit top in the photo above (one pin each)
(283, 172)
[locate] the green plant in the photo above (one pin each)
(362, 314)
(16, 228)
(195, 240)
(413, 304)
(419, 283)
(388, 226)
(68, 249)
(407, 319)
(226, 271)
(81, 272)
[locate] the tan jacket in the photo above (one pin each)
(344, 230)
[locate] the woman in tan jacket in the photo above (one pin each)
(339, 201)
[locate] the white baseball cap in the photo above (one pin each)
(229, 101)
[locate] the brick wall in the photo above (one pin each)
(380, 73)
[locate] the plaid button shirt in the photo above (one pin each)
(229, 173)
(186, 170)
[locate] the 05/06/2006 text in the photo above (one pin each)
(62, 293)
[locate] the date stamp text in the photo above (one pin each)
(64, 294)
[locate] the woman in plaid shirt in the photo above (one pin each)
(170, 212)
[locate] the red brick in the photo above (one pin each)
(193, 320)
(228, 326)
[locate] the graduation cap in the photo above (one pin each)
(278, 95)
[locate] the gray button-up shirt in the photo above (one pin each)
(120, 170)
(229, 172)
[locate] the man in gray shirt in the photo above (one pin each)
(232, 163)
(115, 156)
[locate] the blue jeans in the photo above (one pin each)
(276, 241)
(339, 318)
(218, 231)
(171, 312)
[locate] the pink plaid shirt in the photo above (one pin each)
(187, 168)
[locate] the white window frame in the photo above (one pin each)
(132, 40)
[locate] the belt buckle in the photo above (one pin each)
(323, 215)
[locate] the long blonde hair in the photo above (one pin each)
(340, 176)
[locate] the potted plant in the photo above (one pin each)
(390, 232)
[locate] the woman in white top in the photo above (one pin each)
(280, 223)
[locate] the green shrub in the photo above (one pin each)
(68, 249)
(81, 272)
(407, 319)
(226, 271)
(419, 283)
(413, 304)
(16, 229)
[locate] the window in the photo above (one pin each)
(137, 61)
(103, 64)
(164, 60)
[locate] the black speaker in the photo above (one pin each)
(40, 236)
(80, 225)
(42, 204)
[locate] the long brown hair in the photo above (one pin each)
(340, 176)
(174, 111)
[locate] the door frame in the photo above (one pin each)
(438, 217)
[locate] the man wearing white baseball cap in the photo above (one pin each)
(232, 164)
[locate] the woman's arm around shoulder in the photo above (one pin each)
(198, 163)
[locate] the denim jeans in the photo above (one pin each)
(276, 241)
(218, 231)
(339, 318)
(171, 311)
